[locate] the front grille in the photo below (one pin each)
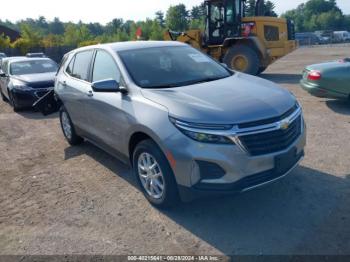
(44, 84)
(272, 141)
(41, 93)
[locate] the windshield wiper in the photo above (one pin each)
(164, 86)
(186, 83)
(208, 79)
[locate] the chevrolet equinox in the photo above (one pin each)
(188, 125)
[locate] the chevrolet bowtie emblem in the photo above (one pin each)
(285, 125)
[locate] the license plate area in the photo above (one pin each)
(284, 162)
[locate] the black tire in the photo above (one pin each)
(248, 54)
(3, 96)
(72, 138)
(170, 196)
(12, 102)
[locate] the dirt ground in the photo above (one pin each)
(57, 199)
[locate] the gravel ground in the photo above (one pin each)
(57, 199)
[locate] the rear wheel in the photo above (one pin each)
(154, 175)
(243, 58)
(68, 128)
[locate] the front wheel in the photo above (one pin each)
(154, 175)
(68, 128)
(3, 96)
(12, 102)
(243, 58)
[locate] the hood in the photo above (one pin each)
(343, 63)
(237, 99)
(43, 80)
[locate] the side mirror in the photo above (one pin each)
(107, 86)
(2, 74)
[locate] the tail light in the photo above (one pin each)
(314, 75)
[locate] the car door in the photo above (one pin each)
(108, 121)
(73, 87)
(336, 77)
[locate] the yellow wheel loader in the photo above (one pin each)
(246, 44)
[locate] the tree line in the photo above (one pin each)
(318, 15)
(314, 15)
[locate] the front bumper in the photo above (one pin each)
(26, 98)
(243, 185)
(242, 171)
(318, 91)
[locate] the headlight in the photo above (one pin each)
(207, 138)
(20, 86)
(203, 133)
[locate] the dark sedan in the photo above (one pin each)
(24, 80)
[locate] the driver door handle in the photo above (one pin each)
(63, 83)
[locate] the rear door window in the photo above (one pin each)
(82, 65)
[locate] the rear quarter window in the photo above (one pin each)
(63, 63)
(69, 69)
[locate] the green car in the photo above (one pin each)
(331, 79)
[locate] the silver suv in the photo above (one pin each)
(187, 124)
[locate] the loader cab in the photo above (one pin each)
(223, 20)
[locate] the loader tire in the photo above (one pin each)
(262, 69)
(243, 58)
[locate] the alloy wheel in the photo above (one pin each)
(151, 176)
(240, 63)
(66, 126)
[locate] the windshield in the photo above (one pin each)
(164, 67)
(33, 67)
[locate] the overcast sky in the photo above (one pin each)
(105, 10)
